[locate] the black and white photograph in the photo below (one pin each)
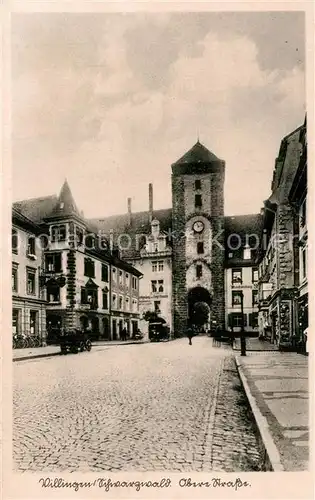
(159, 219)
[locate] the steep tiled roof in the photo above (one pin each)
(36, 209)
(140, 224)
(65, 206)
(139, 221)
(242, 224)
(21, 220)
(197, 154)
(240, 229)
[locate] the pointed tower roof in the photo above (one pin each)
(197, 154)
(197, 159)
(65, 206)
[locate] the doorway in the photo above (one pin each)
(114, 329)
(199, 301)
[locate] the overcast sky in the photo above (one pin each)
(109, 101)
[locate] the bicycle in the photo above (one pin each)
(33, 341)
(37, 341)
(19, 342)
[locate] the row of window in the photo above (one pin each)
(237, 298)
(16, 322)
(90, 297)
(53, 264)
(30, 245)
(123, 278)
(157, 266)
(236, 320)
(157, 286)
(30, 280)
(237, 276)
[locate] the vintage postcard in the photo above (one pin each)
(156, 331)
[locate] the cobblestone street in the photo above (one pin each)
(166, 406)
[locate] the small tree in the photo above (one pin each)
(200, 313)
(150, 316)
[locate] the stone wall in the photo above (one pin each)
(180, 304)
(216, 261)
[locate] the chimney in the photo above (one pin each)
(129, 211)
(150, 202)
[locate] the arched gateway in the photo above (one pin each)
(199, 302)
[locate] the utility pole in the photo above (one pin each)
(243, 339)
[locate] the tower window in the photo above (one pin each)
(198, 201)
(200, 248)
(199, 271)
(197, 184)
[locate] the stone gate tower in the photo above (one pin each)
(198, 236)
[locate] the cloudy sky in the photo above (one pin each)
(109, 101)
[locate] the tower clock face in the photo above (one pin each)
(198, 226)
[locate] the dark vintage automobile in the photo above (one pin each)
(158, 331)
(75, 341)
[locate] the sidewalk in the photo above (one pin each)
(53, 350)
(255, 344)
(276, 385)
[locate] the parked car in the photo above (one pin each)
(75, 341)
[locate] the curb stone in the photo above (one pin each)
(58, 353)
(37, 356)
(271, 454)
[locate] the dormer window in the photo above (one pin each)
(90, 241)
(247, 253)
(155, 227)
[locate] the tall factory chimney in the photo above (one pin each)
(129, 211)
(150, 202)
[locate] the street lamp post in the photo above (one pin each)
(243, 339)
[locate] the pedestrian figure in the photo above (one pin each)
(190, 334)
(124, 334)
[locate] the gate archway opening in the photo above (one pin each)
(199, 307)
